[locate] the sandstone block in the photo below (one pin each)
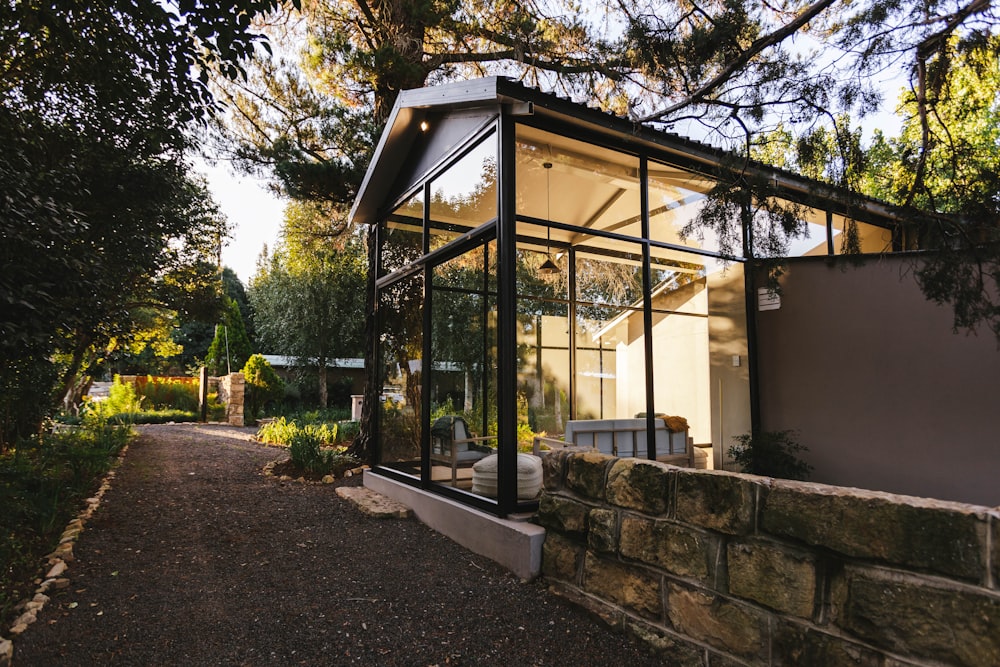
(918, 617)
(794, 645)
(586, 474)
(554, 469)
(611, 615)
(563, 514)
(995, 541)
(602, 533)
(674, 547)
(57, 569)
(634, 590)
(561, 558)
(718, 500)
(948, 538)
(779, 578)
(678, 652)
(640, 485)
(717, 621)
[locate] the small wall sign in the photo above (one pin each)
(768, 299)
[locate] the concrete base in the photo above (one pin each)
(516, 545)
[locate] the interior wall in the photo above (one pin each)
(878, 386)
(729, 369)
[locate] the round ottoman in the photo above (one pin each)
(529, 476)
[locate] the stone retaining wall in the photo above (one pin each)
(718, 568)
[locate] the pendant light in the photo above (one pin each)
(548, 267)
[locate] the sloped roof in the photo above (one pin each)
(412, 106)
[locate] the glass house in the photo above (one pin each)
(533, 268)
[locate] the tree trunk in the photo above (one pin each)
(362, 447)
(323, 391)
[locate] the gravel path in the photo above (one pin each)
(196, 558)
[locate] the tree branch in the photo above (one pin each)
(744, 58)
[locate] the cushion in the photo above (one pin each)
(529, 476)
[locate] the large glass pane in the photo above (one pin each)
(400, 321)
(543, 337)
(401, 235)
(463, 371)
(609, 357)
(576, 183)
(465, 195)
(864, 237)
(675, 199)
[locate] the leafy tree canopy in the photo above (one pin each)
(99, 216)
(309, 295)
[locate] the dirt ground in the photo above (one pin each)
(196, 558)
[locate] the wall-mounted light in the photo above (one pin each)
(424, 125)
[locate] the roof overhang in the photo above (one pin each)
(413, 106)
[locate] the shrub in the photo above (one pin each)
(282, 432)
(122, 400)
(263, 385)
(771, 453)
(164, 393)
(347, 430)
(307, 453)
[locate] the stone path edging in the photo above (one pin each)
(57, 563)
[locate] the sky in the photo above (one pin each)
(253, 212)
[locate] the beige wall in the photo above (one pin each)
(882, 392)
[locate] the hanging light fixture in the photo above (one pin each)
(548, 267)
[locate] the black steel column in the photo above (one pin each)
(506, 323)
(750, 268)
(647, 308)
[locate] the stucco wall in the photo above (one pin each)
(718, 568)
(881, 391)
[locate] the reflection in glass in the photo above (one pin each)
(675, 199)
(463, 369)
(401, 235)
(543, 370)
(587, 186)
(465, 195)
(400, 308)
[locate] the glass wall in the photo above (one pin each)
(604, 365)
(401, 235)
(400, 326)
(437, 316)
(463, 364)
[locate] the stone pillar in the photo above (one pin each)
(234, 408)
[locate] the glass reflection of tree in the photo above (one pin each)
(462, 333)
(401, 344)
(454, 211)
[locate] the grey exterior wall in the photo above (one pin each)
(878, 386)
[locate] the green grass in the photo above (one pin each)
(43, 482)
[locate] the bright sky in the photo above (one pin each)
(254, 213)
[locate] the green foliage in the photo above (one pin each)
(282, 431)
(122, 400)
(161, 393)
(98, 210)
(25, 397)
(230, 348)
(772, 454)
(216, 409)
(42, 482)
(307, 453)
(263, 386)
(309, 297)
